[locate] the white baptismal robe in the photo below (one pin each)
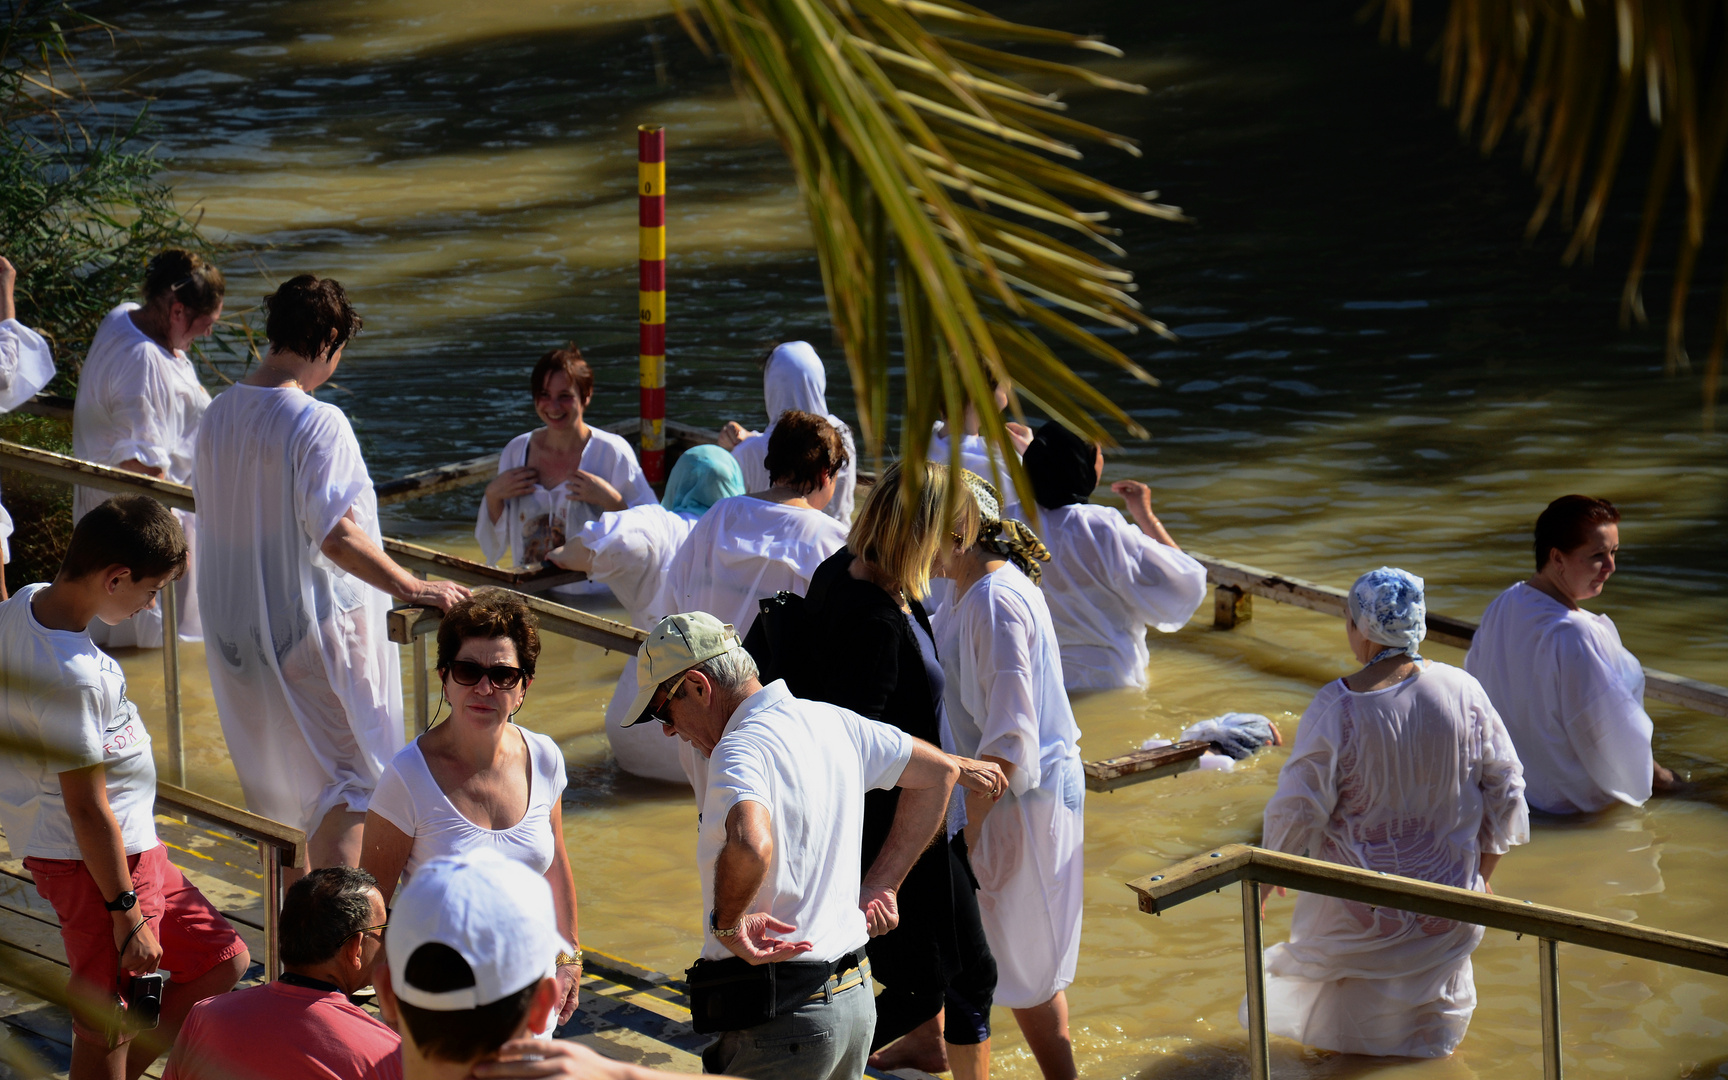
(307, 682)
(139, 402)
(1004, 698)
(1572, 698)
(631, 550)
(26, 365)
(794, 378)
(541, 520)
(1106, 581)
(1418, 779)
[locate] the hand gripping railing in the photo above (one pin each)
(1253, 867)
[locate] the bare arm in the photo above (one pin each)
(739, 874)
(349, 547)
(1139, 499)
(384, 851)
(85, 792)
(8, 276)
(1487, 864)
(134, 465)
(572, 556)
(563, 884)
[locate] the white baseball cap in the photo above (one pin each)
(495, 912)
(675, 645)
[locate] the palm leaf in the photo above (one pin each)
(930, 175)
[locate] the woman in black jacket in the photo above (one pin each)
(880, 660)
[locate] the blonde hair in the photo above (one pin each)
(899, 531)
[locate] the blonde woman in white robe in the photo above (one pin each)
(26, 365)
(1108, 580)
(1403, 768)
(1571, 694)
(138, 408)
(793, 378)
(554, 480)
(629, 551)
(1005, 703)
(296, 586)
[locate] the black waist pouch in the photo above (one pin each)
(733, 994)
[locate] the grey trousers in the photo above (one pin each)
(822, 1040)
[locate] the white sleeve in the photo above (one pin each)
(139, 401)
(1167, 586)
(1006, 701)
(26, 364)
(629, 550)
(883, 749)
(737, 773)
(329, 473)
(393, 802)
(846, 484)
(1609, 730)
(1505, 815)
(631, 482)
(550, 764)
(751, 456)
(494, 536)
(1296, 816)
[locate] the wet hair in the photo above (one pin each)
(488, 614)
(900, 533)
(310, 317)
(322, 911)
(1568, 522)
(184, 277)
(457, 1035)
(569, 361)
(801, 448)
(134, 531)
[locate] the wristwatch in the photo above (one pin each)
(714, 925)
(126, 901)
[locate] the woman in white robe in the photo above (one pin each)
(554, 480)
(629, 551)
(296, 586)
(26, 365)
(793, 378)
(1402, 768)
(138, 408)
(1571, 694)
(1107, 580)
(1005, 703)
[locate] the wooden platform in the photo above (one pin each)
(626, 1012)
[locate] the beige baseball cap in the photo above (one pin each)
(675, 645)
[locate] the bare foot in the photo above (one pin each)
(921, 1048)
(1662, 780)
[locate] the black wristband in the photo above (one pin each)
(126, 901)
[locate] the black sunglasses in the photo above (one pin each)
(658, 712)
(503, 676)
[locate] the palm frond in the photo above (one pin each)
(930, 172)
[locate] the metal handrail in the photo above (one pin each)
(1253, 867)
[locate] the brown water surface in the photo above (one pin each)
(1371, 371)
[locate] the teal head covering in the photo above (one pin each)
(703, 476)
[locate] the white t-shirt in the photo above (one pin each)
(544, 518)
(26, 365)
(1106, 581)
(809, 764)
(59, 689)
(409, 798)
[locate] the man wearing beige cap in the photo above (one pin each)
(783, 979)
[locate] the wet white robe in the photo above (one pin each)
(139, 402)
(1106, 581)
(26, 365)
(1004, 698)
(1572, 698)
(794, 378)
(535, 523)
(307, 682)
(631, 550)
(1418, 779)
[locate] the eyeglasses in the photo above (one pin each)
(658, 712)
(368, 929)
(502, 676)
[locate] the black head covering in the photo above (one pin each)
(1063, 466)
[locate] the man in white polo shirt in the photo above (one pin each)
(783, 978)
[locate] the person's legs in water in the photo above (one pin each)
(1046, 1029)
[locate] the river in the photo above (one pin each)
(1373, 369)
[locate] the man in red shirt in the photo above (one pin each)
(302, 1026)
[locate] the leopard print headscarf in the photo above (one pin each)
(1012, 539)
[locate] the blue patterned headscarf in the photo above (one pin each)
(703, 476)
(1387, 607)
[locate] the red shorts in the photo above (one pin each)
(193, 934)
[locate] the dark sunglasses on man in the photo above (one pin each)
(502, 676)
(672, 686)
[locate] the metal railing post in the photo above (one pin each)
(1548, 976)
(1254, 959)
(272, 898)
(171, 683)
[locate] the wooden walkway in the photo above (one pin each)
(626, 1012)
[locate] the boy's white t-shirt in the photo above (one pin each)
(58, 689)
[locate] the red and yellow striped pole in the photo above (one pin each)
(651, 191)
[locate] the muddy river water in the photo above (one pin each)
(1372, 370)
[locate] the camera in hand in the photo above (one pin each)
(144, 1000)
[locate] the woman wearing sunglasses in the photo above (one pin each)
(476, 779)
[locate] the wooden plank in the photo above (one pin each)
(1214, 870)
(405, 623)
(533, 578)
(286, 838)
(439, 478)
(1143, 765)
(73, 471)
(49, 405)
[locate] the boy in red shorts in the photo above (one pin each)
(83, 815)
